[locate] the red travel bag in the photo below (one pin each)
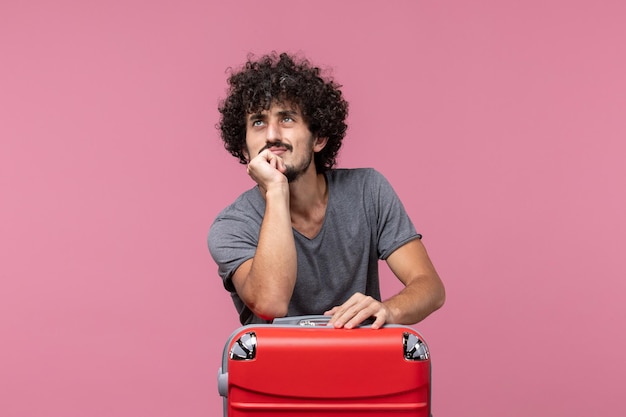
(299, 366)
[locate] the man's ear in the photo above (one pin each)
(319, 144)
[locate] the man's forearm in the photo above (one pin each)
(271, 278)
(416, 301)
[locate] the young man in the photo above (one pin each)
(307, 238)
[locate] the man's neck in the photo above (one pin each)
(307, 192)
(308, 197)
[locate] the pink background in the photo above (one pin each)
(501, 125)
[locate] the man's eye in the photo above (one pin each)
(287, 119)
(256, 123)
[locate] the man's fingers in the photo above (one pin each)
(331, 311)
(266, 167)
(356, 310)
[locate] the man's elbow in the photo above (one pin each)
(270, 310)
(440, 297)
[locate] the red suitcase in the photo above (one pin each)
(299, 366)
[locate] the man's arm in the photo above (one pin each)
(423, 293)
(265, 283)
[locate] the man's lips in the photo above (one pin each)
(277, 148)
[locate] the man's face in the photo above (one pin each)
(283, 131)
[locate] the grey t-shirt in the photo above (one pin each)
(365, 221)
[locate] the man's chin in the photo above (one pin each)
(292, 175)
(294, 172)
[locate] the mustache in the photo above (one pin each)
(277, 144)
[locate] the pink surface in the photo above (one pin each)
(501, 125)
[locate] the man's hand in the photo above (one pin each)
(265, 283)
(358, 308)
(267, 168)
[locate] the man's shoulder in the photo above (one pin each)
(352, 174)
(248, 203)
(361, 178)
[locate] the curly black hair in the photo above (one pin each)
(284, 79)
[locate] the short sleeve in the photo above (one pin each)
(234, 235)
(393, 225)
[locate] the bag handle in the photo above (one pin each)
(313, 320)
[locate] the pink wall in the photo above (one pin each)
(501, 124)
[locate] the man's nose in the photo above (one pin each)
(273, 132)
